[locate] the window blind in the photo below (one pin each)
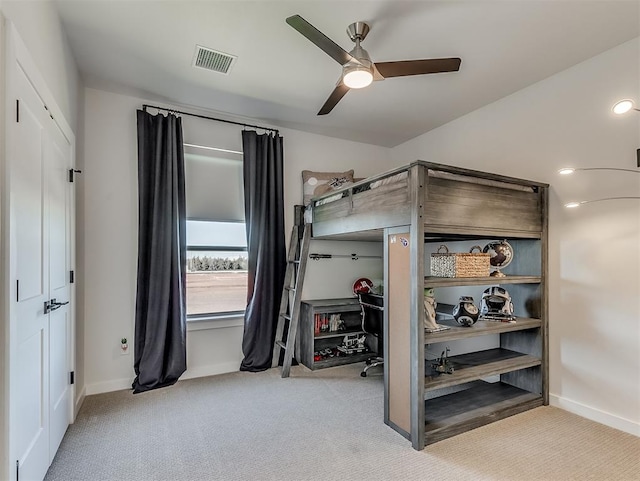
(214, 187)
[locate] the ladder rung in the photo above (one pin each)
(297, 261)
(281, 344)
(289, 288)
(288, 318)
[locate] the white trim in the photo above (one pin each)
(204, 371)
(108, 386)
(215, 322)
(79, 401)
(200, 371)
(4, 278)
(602, 417)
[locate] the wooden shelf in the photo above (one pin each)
(309, 343)
(481, 404)
(476, 365)
(340, 360)
(344, 304)
(480, 328)
(328, 335)
(430, 281)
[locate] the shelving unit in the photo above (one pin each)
(508, 374)
(310, 342)
(481, 403)
(414, 209)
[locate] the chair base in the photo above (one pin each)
(371, 362)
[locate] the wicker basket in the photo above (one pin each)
(460, 264)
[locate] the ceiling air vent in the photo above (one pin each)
(213, 60)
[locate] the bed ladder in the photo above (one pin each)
(289, 315)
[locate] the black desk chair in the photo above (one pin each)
(372, 309)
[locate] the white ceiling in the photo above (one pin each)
(146, 48)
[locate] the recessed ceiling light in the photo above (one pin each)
(566, 171)
(572, 205)
(622, 107)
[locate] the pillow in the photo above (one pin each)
(315, 184)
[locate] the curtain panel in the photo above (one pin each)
(160, 323)
(264, 217)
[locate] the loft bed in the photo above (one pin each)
(412, 209)
(455, 200)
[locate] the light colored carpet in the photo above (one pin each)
(325, 425)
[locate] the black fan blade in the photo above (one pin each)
(331, 48)
(418, 67)
(337, 94)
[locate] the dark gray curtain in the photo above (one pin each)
(264, 215)
(160, 331)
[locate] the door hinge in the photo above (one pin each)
(17, 290)
(17, 110)
(72, 172)
(72, 377)
(72, 277)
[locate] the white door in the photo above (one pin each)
(59, 207)
(40, 157)
(29, 375)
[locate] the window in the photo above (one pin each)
(216, 267)
(216, 237)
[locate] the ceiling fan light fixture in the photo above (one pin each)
(622, 106)
(357, 76)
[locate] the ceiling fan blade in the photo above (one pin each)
(335, 97)
(331, 48)
(418, 67)
(376, 74)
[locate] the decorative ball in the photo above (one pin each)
(466, 313)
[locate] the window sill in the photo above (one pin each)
(215, 321)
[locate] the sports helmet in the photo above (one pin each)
(496, 300)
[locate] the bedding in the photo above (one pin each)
(315, 184)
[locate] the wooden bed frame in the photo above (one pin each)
(409, 207)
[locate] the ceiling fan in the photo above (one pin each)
(358, 70)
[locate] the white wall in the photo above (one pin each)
(594, 262)
(109, 226)
(39, 26)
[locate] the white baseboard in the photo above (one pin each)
(79, 400)
(596, 415)
(199, 371)
(212, 370)
(108, 386)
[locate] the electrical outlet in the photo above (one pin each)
(124, 346)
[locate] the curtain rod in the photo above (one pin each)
(145, 106)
